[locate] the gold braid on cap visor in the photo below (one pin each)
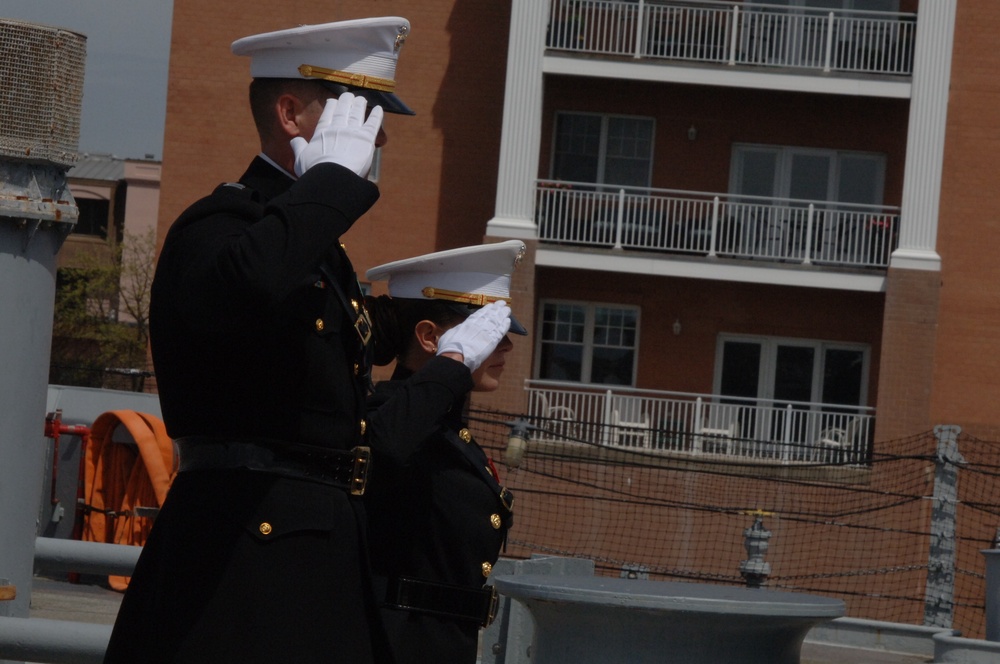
(477, 299)
(347, 78)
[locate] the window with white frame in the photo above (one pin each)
(603, 149)
(588, 342)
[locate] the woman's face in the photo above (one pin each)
(487, 376)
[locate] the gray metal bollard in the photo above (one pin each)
(595, 620)
(508, 639)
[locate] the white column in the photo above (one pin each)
(925, 138)
(522, 122)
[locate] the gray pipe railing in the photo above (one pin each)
(66, 555)
(65, 641)
(53, 641)
(69, 642)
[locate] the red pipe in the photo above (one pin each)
(53, 429)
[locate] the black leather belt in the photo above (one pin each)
(346, 469)
(477, 605)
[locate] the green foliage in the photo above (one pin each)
(101, 323)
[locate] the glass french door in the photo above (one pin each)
(782, 387)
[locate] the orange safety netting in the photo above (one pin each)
(120, 477)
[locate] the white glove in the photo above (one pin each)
(478, 335)
(342, 136)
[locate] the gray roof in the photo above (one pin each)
(98, 167)
(104, 167)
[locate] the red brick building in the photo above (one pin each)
(767, 220)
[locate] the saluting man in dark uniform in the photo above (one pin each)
(259, 337)
(438, 513)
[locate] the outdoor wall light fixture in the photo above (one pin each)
(677, 327)
(692, 133)
(517, 444)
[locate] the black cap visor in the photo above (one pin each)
(516, 327)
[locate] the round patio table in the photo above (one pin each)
(588, 619)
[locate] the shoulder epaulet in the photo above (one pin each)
(231, 197)
(236, 187)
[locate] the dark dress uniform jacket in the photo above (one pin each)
(435, 515)
(250, 340)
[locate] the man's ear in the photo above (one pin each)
(289, 109)
(427, 334)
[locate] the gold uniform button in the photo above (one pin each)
(364, 427)
(487, 568)
(357, 308)
(264, 528)
(465, 435)
(320, 324)
(357, 368)
(495, 521)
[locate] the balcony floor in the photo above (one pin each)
(722, 75)
(703, 267)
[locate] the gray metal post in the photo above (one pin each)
(41, 83)
(992, 594)
(940, 590)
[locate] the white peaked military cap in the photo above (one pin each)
(472, 276)
(356, 56)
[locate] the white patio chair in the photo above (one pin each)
(719, 439)
(837, 438)
(556, 421)
(630, 424)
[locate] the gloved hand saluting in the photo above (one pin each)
(342, 136)
(478, 335)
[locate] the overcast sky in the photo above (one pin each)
(125, 80)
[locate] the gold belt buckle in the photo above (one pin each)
(507, 498)
(359, 478)
(494, 604)
(363, 325)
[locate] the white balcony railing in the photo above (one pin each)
(700, 425)
(667, 220)
(737, 33)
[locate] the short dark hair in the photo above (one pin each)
(264, 92)
(395, 318)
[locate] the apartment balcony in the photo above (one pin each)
(736, 34)
(700, 426)
(672, 222)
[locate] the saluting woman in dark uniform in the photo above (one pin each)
(437, 512)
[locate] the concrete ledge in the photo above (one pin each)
(949, 648)
(878, 635)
